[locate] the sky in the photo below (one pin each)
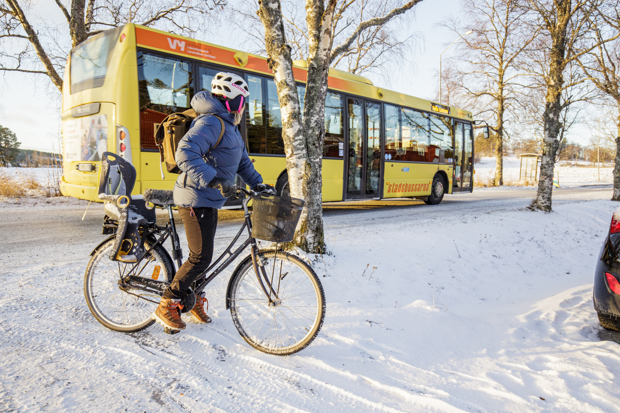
(30, 104)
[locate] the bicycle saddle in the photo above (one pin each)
(159, 197)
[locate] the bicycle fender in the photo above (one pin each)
(101, 244)
(232, 277)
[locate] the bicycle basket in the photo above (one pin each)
(275, 218)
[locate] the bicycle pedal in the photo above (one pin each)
(171, 331)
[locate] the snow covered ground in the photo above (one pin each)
(572, 174)
(469, 306)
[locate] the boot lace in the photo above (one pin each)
(174, 310)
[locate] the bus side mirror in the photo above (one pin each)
(486, 133)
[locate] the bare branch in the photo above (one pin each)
(36, 43)
(377, 21)
(64, 11)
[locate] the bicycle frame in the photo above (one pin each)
(203, 280)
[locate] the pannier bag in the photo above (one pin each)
(117, 180)
(275, 218)
(170, 132)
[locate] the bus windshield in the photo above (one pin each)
(89, 61)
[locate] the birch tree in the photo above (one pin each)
(602, 66)
(32, 47)
(303, 134)
(567, 24)
(489, 61)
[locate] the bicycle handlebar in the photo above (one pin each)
(251, 193)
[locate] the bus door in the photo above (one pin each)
(463, 161)
(363, 174)
(468, 157)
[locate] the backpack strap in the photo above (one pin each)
(221, 133)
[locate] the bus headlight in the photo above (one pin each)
(123, 143)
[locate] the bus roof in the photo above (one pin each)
(338, 80)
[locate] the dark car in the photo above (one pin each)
(606, 294)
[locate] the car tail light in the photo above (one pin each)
(613, 283)
(615, 225)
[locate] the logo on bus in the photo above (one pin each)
(174, 43)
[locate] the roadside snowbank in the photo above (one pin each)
(483, 311)
(571, 174)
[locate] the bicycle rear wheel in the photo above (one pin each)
(117, 306)
(294, 320)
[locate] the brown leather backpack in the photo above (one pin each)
(170, 132)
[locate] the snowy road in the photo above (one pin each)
(473, 305)
(28, 224)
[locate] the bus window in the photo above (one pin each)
(441, 140)
(255, 115)
(415, 135)
(205, 76)
(165, 87)
(393, 140)
(89, 61)
(275, 144)
(333, 146)
(406, 134)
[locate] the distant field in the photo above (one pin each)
(571, 174)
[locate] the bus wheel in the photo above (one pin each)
(437, 191)
(282, 187)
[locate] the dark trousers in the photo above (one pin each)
(200, 232)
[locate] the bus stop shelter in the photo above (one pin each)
(528, 170)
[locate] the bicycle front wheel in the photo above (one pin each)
(294, 317)
(113, 303)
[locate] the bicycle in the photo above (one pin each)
(276, 300)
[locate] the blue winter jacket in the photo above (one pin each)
(200, 166)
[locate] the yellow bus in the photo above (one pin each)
(120, 84)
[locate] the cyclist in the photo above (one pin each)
(204, 185)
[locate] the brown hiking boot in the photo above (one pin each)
(169, 314)
(198, 312)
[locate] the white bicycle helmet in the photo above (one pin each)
(229, 85)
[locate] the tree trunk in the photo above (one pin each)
(553, 106)
(319, 22)
(499, 147)
(77, 26)
(280, 62)
(616, 193)
(550, 146)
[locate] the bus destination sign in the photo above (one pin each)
(436, 107)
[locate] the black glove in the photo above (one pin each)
(265, 188)
(224, 186)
